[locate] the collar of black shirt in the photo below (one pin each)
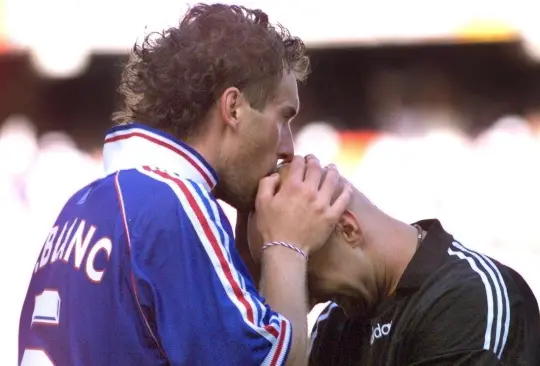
(430, 256)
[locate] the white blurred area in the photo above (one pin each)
(486, 191)
(37, 176)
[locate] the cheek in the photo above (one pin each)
(325, 269)
(256, 152)
(320, 289)
(256, 142)
(271, 132)
(320, 278)
(268, 140)
(265, 132)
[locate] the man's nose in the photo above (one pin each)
(286, 145)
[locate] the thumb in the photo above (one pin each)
(267, 189)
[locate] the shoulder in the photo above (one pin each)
(325, 335)
(328, 324)
(331, 311)
(149, 196)
(471, 294)
(473, 302)
(160, 189)
(469, 288)
(336, 335)
(473, 275)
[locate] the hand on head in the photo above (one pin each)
(295, 207)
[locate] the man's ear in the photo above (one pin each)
(231, 105)
(349, 229)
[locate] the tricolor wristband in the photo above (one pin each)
(286, 245)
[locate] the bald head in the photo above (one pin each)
(284, 168)
(359, 204)
(339, 187)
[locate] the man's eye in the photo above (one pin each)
(288, 116)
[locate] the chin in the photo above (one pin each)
(242, 203)
(237, 198)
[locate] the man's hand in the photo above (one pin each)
(293, 209)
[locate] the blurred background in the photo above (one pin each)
(432, 109)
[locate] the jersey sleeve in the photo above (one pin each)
(467, 323)
(199, 305)
(325, 336)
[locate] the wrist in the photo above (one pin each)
(283, 244)
(282, 255)
(279, 239)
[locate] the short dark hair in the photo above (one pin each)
(174, 77)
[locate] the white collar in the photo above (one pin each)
(134, 145)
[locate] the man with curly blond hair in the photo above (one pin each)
(141, 268)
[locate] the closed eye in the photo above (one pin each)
(289, 113)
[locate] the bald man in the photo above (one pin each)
(404, 294)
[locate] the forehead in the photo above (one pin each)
(287, 92)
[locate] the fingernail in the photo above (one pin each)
(332, 166)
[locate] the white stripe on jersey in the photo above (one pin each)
(278, 324)
(498, 304)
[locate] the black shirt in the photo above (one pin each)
(452, 306)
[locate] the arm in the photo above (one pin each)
(196, 301)
(280, 202)
(282, 279)
(283, 283)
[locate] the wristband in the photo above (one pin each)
(286, 245)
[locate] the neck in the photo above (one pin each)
(210, 146)
(207, 145)
(398, 242)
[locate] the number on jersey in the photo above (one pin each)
(47, 308)
(46, 311)
(36, 357)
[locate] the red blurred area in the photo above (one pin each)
(352, 148)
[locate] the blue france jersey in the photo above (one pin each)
(140, 268)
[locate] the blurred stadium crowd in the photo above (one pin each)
(486, 190)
